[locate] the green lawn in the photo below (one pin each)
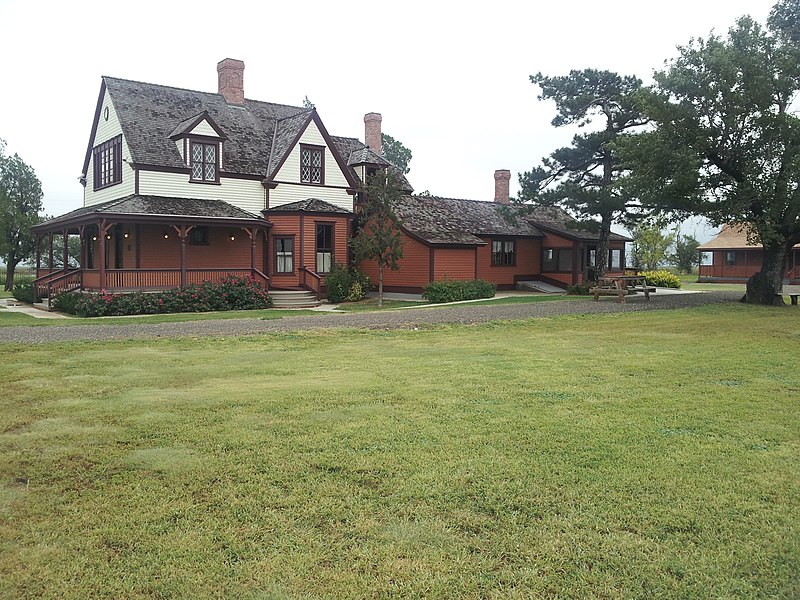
(371, 304)
(613, 456)
(9, 319)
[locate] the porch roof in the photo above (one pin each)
(154, 209)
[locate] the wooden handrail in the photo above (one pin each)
(263, 276)
(318, 280)
(45, 281)
(67, 282)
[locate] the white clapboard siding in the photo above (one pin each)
(107, 129)
(203, 128)
(284, 194)
(290, 171)
(247, 194)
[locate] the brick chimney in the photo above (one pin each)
(372, 132)
(231, 80)
(501, 179)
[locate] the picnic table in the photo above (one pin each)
(621, 286)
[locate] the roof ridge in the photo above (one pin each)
(183, 89)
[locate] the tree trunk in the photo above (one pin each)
(11, 266)
(601, 256)
(765, 287)
(380, 284)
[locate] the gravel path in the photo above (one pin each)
(395, 319)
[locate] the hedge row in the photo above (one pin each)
(661, 278)
(230, 293)
(455, 291)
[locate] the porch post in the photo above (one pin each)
(101, 229)
(38, 253)
(182, 233)
(82, 257)
(65, 237)
(50, 255)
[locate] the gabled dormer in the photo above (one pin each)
(199, 140)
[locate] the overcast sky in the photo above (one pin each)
(451, 79)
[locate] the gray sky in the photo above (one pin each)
(450, 78)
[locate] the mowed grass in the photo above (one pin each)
(13, 319)
(617, 456)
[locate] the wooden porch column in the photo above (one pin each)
(183, 233)
(38, 253)
(252, 232)
(82, 238)
(102, 227)
(50, 254)
(65, 239)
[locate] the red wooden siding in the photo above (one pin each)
(454, 263)
(528, 262)
(414, 272)
(305, 245)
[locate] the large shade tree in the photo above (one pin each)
(727, 143)
(584, 177)
(20, 204)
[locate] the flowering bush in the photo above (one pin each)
(230, 293)
(346, 284)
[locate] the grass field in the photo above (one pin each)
(617, 456)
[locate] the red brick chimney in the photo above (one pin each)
(372, 131)
(231, 80)
(501, 179)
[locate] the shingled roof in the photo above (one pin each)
(149, 114)
(154, 207)
(314, 205)
(560, 222)
(451, 221)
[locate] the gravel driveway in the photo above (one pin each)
(393, 319)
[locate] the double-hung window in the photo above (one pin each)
(503, 252)
(324, 247)
(107, 161)
(312, 164)
(284, 255)
(204, 163)
(557, 260)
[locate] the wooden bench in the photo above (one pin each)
(622, 286)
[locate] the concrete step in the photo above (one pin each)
(539, 286)
(294, 299)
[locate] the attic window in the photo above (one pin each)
(107, 163)
(312, 164)
(204, 165)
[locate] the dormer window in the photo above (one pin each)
(312, 164)
(204, 161)
(107, 163)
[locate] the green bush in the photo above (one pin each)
(455, 291)
(346, 284)
(661, 278)
(23, 291)
(230, 293)
(579, 289)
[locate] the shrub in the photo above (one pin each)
(230, 293)
(455, 291)
(661, 278)
(579, 289)
(23, 291)
(346, 284)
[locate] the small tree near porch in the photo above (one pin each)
(379, 237)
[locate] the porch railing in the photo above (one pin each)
(51, 285)
(311, 281)
(163, 279)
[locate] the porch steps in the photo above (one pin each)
(294, 299)
(539, 286)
